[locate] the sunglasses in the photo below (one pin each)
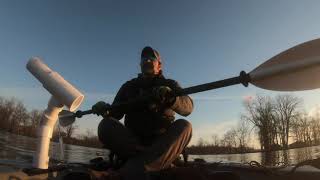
(146, 58)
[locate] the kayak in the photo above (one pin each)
(191, 170)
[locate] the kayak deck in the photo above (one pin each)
(194, 171)
(8, 172)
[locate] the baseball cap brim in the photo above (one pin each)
(149, 53)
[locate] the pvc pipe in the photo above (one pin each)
(63, 93)
(45, 130)
(55, 84)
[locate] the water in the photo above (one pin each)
(18, 151)
(275, 158)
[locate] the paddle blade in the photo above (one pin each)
(66, 118)
(295, 69)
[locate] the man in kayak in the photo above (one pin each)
(150, 139)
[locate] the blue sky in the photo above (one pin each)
(96, 46)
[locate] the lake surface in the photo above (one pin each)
(18, 151)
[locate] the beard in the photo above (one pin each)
(147, 69)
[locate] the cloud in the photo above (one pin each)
(314, 111)
(249, 98)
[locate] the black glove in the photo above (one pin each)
(101, 108)
(163, 95)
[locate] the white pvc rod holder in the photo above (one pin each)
(63, 93)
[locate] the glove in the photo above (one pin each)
(101, 108)
(164, 95)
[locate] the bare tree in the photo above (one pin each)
(215, 140)
(242, 134)
(19, 118)
(230, 138)
(34, 118)
(302, 130)
(286, 109)
(306, 129)
(296, 130)
(315, 130)
(69, 130)
(260, 114)
(3, 122)
(201, 142)
(6, 111)
(88, 134)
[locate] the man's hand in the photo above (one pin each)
(164, 95)
(101, 108)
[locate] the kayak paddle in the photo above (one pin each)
(295, 69)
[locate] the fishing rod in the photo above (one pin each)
(295, 69)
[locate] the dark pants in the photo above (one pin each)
(163, 151)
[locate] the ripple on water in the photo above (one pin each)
(18, 150)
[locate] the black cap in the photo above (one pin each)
(148, 53)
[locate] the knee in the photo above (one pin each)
(105, 124)
(184, 124)
(105, 127)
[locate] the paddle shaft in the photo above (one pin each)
(243, 78)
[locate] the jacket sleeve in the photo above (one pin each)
(120, 97)
(183, 104)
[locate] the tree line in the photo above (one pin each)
(234, 140)
(277, 119)
(274, 121)
(15, 118)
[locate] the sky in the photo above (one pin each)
(96, 46)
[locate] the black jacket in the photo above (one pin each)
(141, 119)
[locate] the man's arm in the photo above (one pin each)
(120, 97)
(183, 104)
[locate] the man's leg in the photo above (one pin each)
(161, 153)
(168, 147)
(116, 137)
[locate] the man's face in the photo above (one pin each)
(150, 67)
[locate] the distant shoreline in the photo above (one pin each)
(93, 142)
(295, 145)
